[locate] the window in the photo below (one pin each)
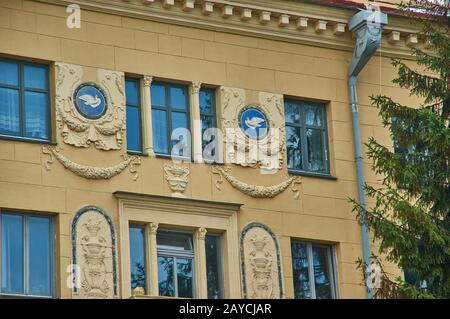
(313, 270)
(306, 136)
(175, 264)
(24, 100)
(27, 254)
(137, 258)
(134, 136)
(208, 118)
(213, 266)
(170, 119)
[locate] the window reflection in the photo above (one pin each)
(24, 99)
(137, 258)
(175, 264)
(306, 136)
(312, 266)
(213, 266)
(26, 258)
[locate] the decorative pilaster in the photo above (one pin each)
(152, 259)
(147, 114)
(202, 282)
(196, 122)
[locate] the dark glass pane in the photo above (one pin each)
(213, 275)
(9, 112)
(9, 73)
(133, 129)
(206, 101)
(158, 93)
(302, 286)
(316, 150)
(184, 277)
(313, 115)
(180, 137)
(178, 97)
(174, 241)
(292, 112)
(137, 258)
(322, 271)
(207, 123)
(294, 150)
(36, 115)
(39, 256)
(12, 254)
(132, 91)
(166, 281)
(35, 77)
(160, 131)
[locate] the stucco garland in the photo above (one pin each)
(257, 191)
(91, 172)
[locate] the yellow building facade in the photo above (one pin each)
(94, 176)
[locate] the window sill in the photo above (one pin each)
(136, 153)
(26, 139)
(174, 158)
(310, 174)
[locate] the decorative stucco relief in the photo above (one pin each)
(105, 132)
(240, 148)
(91, 172)
(257, 191)
(177, 177)
(94, 252)
(261, 263)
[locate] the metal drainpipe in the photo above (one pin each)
(367, 26)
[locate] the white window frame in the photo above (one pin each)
(52, 238)
(331, 260)
(179, 254)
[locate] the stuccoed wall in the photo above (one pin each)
(322, 213)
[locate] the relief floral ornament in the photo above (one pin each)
(257, 191)
(91, 172)
(106, 132)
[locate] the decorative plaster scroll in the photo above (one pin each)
(91, 172)
(106, 132)
(177, 177)
(266, 153)
(256, 191)
(260, 263)
(94, 252)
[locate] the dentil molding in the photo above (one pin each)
(297, 22)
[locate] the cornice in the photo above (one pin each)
(295, 22)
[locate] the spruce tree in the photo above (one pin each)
(410, 217)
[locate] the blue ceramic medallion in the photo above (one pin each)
(253, 122)
(90, 101)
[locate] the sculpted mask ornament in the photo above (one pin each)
(87, 112)
(177, 177)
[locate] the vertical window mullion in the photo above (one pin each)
(175, 276)
(22, 99)
(168, 118)
(312, 282)
(1, 252)
(26, 254)
(331, 275)
(303, 139)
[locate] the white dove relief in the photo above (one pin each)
(254, 123)
(90, 100)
